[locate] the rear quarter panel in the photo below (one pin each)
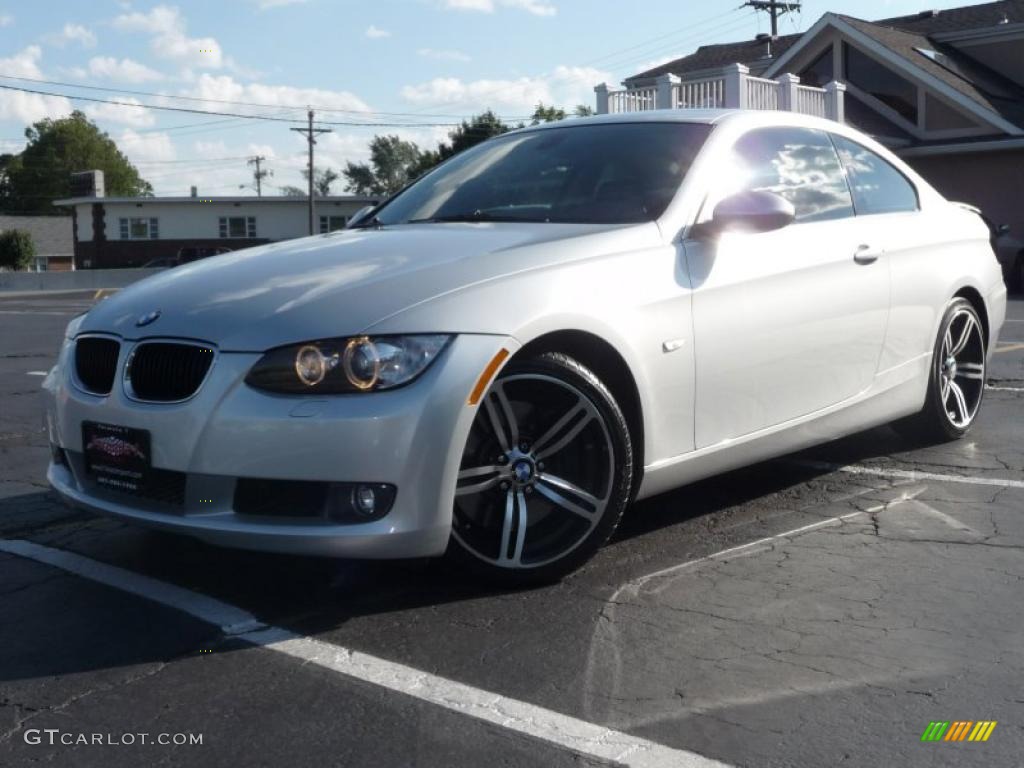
(936, 253)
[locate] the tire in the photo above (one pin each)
(955, 391)
(549, 447)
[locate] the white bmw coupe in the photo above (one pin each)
(495, 362)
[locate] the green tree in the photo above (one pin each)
(392, 165)
(484, 126)
(41, 173)
(322, 180)
(290, 191)
(544, 114)
(16, 249)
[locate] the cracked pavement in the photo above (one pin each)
(708, 624)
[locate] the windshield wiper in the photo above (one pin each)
(471, 217)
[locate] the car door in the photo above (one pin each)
(787, 322)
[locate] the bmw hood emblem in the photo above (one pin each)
(146, 319)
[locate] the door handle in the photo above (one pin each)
(866, 255)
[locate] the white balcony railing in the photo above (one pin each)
(700, 94)
(733, 88)
(633, 100)
(761, 93)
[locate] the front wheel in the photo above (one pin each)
(545, 474)
(956, 383)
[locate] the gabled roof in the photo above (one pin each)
(990, 95)
(971, 84)
(719, 55)
(959, 19)
(51, 234)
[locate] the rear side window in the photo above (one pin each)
(798, 164)
(877, 186)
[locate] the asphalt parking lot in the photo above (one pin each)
(816, 610)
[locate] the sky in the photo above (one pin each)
(407, 67)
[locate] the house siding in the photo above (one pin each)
(992, 181)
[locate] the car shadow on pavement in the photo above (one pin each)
(315, 594)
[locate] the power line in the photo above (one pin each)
(198, 160)
(646, 43)
(730, 25)
(198, 99)
(269, 118)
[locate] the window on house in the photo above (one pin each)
(875, 79)
(819, 72)
(238, 226)
(799, 165)
(332, 223)
(139, 229)
(878, 187)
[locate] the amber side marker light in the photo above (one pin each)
(485, 377)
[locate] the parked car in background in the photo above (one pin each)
(1010, 252)
(548, 326)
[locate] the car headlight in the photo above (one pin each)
(335, 366)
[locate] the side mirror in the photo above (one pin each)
(1002, 229)
(752, 212)
(359, 216)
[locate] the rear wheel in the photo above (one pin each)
(956, 382)
(545, 474)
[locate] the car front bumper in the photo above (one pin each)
(411, 438)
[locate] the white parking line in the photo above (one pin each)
(908, 474)
(529, 720)
(991, 388)
(33, 312)
(35, 373)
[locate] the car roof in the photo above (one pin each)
(704, 116)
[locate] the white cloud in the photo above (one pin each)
(144, 147)
(169, 38)
(565, 87)
(207, 149)
(375, 33)
(28, 107)
(6, 19)
(443, 55)
(225, 87)
(123, 70)
(73, 33)
(122, 114)
(536, 7)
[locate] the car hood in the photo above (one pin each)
(332, 285)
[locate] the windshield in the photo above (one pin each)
(608, 174)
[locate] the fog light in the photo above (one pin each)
(364, 500)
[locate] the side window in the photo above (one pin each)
(798, 164)
(877, 186)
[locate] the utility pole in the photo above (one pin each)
(259, 175)
(310, 134)
(775, 8)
